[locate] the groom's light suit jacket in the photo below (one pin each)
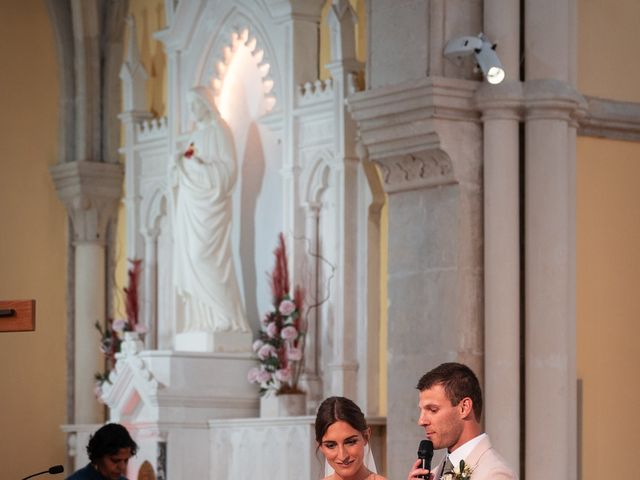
(485, 462)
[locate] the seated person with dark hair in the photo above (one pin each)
(109, 451)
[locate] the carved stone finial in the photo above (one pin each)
(342, 24)
(133, 73)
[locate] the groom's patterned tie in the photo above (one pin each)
(447, 468)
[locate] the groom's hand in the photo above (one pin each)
(418, 473)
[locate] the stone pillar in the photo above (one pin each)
(310, 379)
(150, 273)
(551, 402)
(501, 110)
(551, 103)
(90, 191)
(426, 138)
(501, 113)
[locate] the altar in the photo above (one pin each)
(254, 147)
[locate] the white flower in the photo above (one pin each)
(286, 307)
(294, 354)
(289, 333)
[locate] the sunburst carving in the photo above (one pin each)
(241, 38)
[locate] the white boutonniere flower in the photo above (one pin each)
(462, 472)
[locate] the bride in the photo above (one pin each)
(343, 438)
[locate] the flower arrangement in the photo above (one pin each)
(112, 334)
(280, 346)
(463, 472)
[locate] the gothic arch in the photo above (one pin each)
(318, 180)
(155, 208)
(238, 27)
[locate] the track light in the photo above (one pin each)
(485, 54)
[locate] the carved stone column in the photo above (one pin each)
(550, 332)
(90, 191)
(501, 111)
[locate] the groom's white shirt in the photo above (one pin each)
(464, 450)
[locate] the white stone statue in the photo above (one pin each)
(202, 181)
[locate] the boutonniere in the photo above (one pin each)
(462, 472)
(191, 151)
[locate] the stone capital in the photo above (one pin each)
(90, 191)
(406, 118)
(504, 101)
(551, 99)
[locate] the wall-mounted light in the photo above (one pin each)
(484, 52)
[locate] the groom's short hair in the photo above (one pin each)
(458, 382)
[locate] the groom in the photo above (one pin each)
(450, 403)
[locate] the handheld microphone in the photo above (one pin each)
(425, 454)
(52, 470)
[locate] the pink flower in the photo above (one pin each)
(119, 325)
(266, 350)
(287, 307)
(294, 354)
(289, 333)
(253, 374)
(283, 375)
(266, 319)
(97, 390)
(272, 329)
(140, 328)
(263, 376)
(257, 344)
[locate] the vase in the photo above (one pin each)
(283, 405)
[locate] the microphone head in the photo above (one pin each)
(425, 450)
(56, 469)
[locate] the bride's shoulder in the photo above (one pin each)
(378, 477)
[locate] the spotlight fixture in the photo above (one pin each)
(484, 52)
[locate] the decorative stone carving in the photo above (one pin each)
(417, 170)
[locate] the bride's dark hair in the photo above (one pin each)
(334, 409)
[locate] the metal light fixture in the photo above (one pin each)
(484, 52)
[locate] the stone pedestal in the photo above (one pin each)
(285, 405)
(213, 342)
(166, 398)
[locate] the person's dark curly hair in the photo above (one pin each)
(108, 440)
(334, 409)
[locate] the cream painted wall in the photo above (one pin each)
(608, 304)
(608, 235)
(608, 63)
(32, 243)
